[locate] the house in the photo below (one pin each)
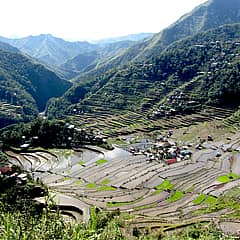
(171, 161)
(5, 170)
(22, 177)
(25, 146)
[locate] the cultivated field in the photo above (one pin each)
(158, 195)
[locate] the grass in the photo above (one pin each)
(105, 181)
(175, 197)
(91, 185)
(153, 205)
(165, 185)
(117, 141)
(198, 200)
(228, 178)
(223, 179)
(210, 200)
(101, 161)
(106, 188)
(81, 163)
(119, 204)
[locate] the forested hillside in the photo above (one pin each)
(212, 14)
(209, 59)
(25, 86)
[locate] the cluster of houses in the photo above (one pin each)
(163, 150)
(178, 103)
(223, 54)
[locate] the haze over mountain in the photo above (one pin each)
(56, 51)
(49, 49)
(131, 37)
(209, 15)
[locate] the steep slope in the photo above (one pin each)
(49, 49)
(211, 14)
(26, 85)
(64, 54)
(207, 65)
(7, 47)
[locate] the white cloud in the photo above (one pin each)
(90, 19)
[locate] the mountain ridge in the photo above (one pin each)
(27, 84)
(141, 86)
(205, 16)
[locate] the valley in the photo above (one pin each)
(136, 137)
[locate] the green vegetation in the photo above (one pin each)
(81, 163)
(105, 181)
(23, 218)
(166, 185)
(20, 218)
(176, 196)
(3, 158)
(223, 179)
(227, 178)
(66, 178)
(145, 207)
(186, 65)
(48, 134)
(119, 204)
(228, 201)
(106, 188)
(210, 200)
(199, 199)
(101, 161)
(91, 185)
(26, 86)
(193, 23)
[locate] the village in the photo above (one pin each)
(182, 100)
(163, 150)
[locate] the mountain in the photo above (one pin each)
(26, 85)
(205, 68)
(68, 59)
(131, 37)
(49, 49)
(8, 47)
(87, 61)
(209, 15)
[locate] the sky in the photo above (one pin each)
(89, 19)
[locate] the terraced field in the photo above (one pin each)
(158, 195)
(114, 124)
(10, 110)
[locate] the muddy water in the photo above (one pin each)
(236, 164)
(116, 153)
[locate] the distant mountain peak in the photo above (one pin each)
(209, 15)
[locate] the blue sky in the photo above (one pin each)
(89, 19)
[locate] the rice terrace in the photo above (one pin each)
(161, 181)
(133, 137)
